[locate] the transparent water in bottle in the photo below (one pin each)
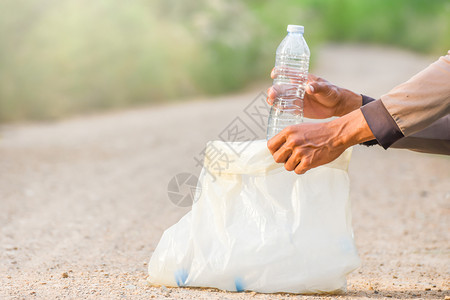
(291, 67)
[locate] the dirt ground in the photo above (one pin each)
(84, 201)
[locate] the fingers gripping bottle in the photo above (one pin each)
(291, 70)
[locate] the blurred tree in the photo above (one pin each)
(60, 57)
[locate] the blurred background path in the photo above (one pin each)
(84, 201)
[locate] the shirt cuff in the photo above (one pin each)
(381, 123)
(366, 99)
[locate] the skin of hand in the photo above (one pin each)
(308, 145)
(322, 99)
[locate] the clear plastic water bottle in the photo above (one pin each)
(291, 65)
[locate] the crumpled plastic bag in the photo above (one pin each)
(255, 226)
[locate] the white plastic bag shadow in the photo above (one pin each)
(255, 226)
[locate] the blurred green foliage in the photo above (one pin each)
(62, 57)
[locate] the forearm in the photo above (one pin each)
(349, 102)
(350, 129)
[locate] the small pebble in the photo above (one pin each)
(166, 291)
(65, 275)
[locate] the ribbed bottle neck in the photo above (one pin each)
(294, 33)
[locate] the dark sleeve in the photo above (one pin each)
(380, 122)
(434, 139)
(366, 99)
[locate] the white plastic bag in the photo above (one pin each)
(255, 226)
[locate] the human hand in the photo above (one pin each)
(308, 145)
(322, 99)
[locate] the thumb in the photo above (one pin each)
(317, 88)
